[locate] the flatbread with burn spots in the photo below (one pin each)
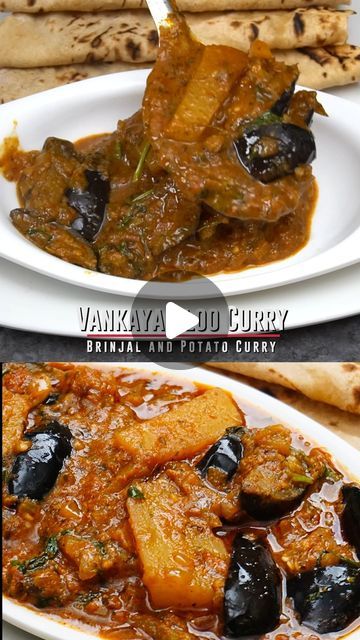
(36, 6)
(70, 38)
(279, 29)
(18, 83)
(321, 68)
(335, 383)
(130, 36)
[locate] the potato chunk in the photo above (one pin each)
(24, 388)
(218, 68)
(184, 563)
(183, 431)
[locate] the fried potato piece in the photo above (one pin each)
(23, 389)
(196, 120)
(206, 91)
(15, 410)
(184, 563)
(184, 431)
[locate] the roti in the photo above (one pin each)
(335, 383)
(54, 39)
(18, 83)
(37, 6)
(321, 68)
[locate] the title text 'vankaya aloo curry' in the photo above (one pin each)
(145, 507)
(212, 175)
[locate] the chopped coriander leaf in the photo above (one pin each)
(124, 248)
(125, 220)
(85, 598)
(134, 492)
(51, 546)
(50, 551)
(140, 166)
(142, 196)
(19, 565)
(37, 562)
(100, 546)
(350, 561)
(117, 150)
(266, 118)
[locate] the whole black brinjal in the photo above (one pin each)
(90, 204)
(350, 517)
(225, 454)
(283, 102)
(35, 471)
(271, 151)
(327, 599)
(273, 504)
(252, 596)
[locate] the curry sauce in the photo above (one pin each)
(212, 175)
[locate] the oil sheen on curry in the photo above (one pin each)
(141, 506)
(213, 174)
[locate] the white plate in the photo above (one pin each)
(346, 457)
(32, 302)
(95, 105)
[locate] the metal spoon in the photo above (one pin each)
(161, 11)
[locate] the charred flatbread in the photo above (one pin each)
(130, 36)
(334, 383)
(319, 68)
(325, 67)
(39, 6)
(18, 83)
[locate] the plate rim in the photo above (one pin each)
(274, 298)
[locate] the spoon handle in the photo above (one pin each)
(160, 11)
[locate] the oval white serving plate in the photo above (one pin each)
(95, 106)
(345, 456)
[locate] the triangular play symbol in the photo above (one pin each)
(178, 320)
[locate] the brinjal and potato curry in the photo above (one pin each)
(146, 507)
(212, 175)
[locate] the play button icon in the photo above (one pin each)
(178, 320)
(170, 319)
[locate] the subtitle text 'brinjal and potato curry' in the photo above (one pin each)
(212, 175)
(146, 507)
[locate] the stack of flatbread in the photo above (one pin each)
(328, 392)
(45, 43)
